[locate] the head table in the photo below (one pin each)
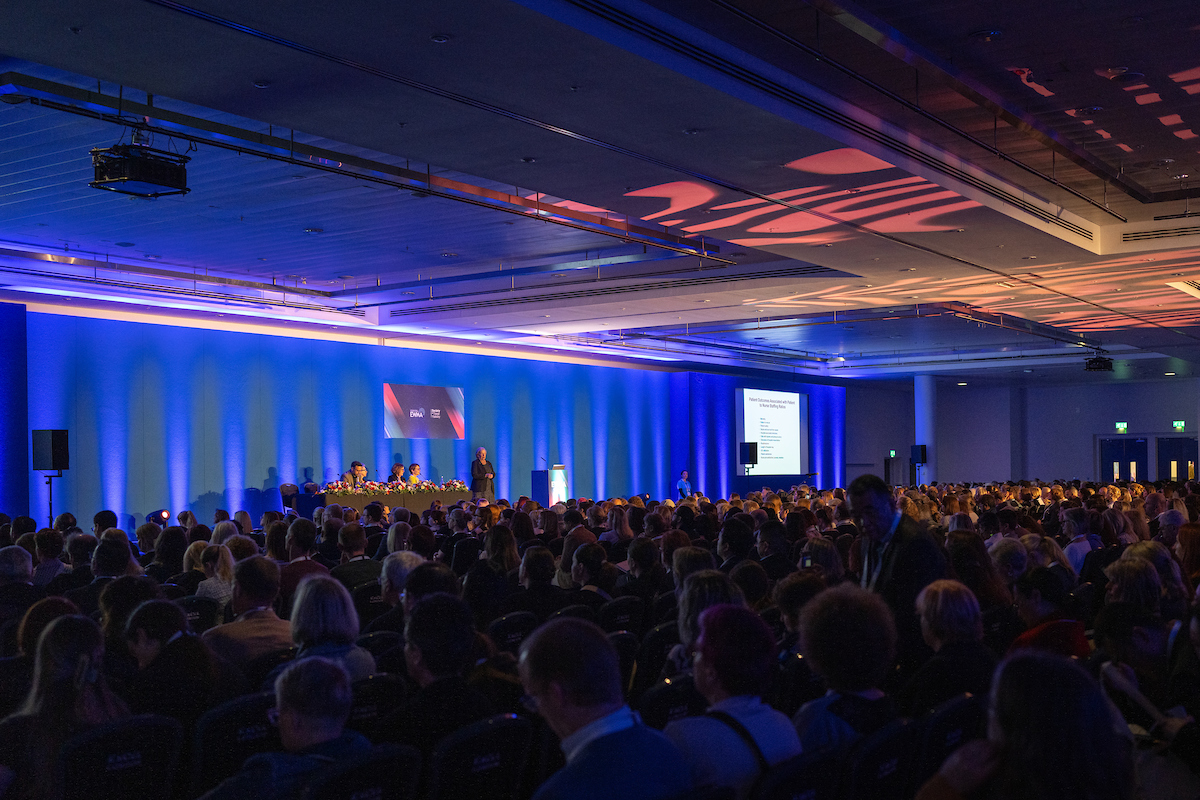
(414, 500)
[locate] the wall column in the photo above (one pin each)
(925, 415)
(15, 439)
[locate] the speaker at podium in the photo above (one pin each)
(549, 485)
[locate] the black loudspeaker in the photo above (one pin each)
(748, 452)
(918, 454)
(50, 450)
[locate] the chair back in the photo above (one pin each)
(879, 766)
(665, 609)
(669, 700)
(652, 655)
(380, 642)
(388, 772)
(486, 759)
(466, 553)
(948, 727)
(626, 645)
(132, 757)
(509, 631)
(172, 591)
(623, 614)
(796, 685)
(287, 494)
(202, 612)
(579, 611)
(368, 602)
(229, 734)
(260, 668)
(375, 696)
(808, 776)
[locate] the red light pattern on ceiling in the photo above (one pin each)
(909, 204)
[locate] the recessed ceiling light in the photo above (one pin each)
(529, 159)
(449, 255)
(1029, 258)
(691, 131)
(261, 84)
(962, 383)
(1169, 374)
(545, 316)
(909, 269)
(345, 277)
(153, 258)
(440, 38)
(1028, 370)
(314, 231)
(124, 244)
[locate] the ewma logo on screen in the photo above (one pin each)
(417, 412)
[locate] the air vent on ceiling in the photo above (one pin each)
(1187, 287)
(1166, 233)
(355, 312)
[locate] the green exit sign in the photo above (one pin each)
(1177, 424)
(1122, 427)
(891, 453)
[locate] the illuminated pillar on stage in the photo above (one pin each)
(925, 414)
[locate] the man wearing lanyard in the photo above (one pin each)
(684, 486)
(899, 561)
(257, 630)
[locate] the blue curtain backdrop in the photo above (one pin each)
(162, 416)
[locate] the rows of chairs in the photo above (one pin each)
(140, 757)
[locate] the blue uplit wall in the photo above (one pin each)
(163, 416)
(16, 442)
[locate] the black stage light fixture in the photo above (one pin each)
(1098, 364)
(139, 171)
(161, 518)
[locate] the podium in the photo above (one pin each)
(549, 485)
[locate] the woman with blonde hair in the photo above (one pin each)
(618, 526)
(193, 572)
(242, 518)
(224, 530)
(217, 563)
(952, 625)
(1175, 591)
(325, 623)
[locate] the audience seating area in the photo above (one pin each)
(898, 620)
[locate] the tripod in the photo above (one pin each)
(50, 492)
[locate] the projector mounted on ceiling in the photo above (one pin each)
(1098, 364)
(139, 171)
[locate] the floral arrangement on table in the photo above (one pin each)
(378, 487)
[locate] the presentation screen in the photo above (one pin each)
(778, 423)
(422, 412)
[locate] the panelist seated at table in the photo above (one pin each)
(398, 474)
(356, 475)
(414, 473)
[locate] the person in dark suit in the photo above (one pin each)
(176, 675)
(80, 547)
(773, 549)
(110, 561)
(538, 594)
(572, 676)
(899, 561)
(439, 641)
(356, 568)
(356, 475)
(482, 475)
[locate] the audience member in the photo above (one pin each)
(439, 643)
(69, 695)
(355, 568)
(325, 624)
(735, 656)
(572, 676)
(301, 542)
(110, 560)
(952, 625)
(1041, 603)
(898, 562)
(1051, 734)
(16, 672)
(392, 582)
(537, 593)
(176, 674)
(49, 546)
(701, 590)
(849, 638)
(17, 592)
(312, 703)
(256, 630)
(80, 547)
(217, 563)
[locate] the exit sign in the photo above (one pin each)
(1122, 427)
(891, 453)
(1178, 424)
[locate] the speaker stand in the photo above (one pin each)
(50, 494)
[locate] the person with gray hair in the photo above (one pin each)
(396, 569)
(312, 703)
(1169, 523)
(325, 623)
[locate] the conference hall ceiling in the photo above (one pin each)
(871, 190)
